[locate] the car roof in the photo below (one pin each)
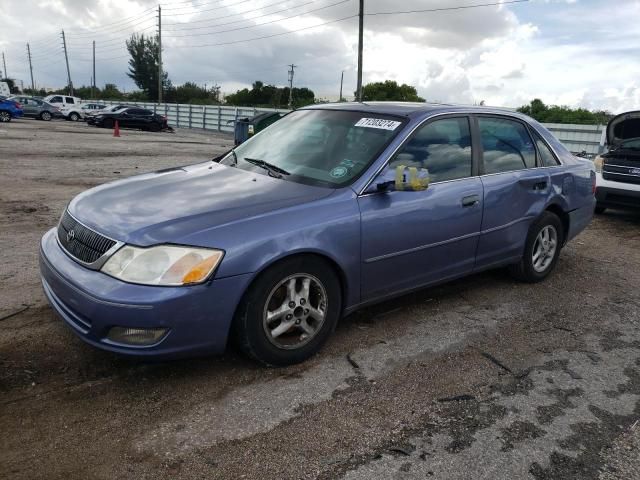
(413, 109)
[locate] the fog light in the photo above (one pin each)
(136, 336)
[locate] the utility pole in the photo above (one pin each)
(93, 80)
(159, 54)
(341, 82)
(4, 64)
(291, 72)
(360, 34)
(66, 59)
(33, 85)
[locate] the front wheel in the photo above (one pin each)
(46, 116)
(108, 123)
(289, 312)
(542, 249)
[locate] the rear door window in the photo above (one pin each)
(506, 144)
(70, 100)
(547, 158)
(443, 147)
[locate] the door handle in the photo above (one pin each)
(471, 200)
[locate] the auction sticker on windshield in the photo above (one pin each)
(378, 123)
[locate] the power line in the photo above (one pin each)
(266, 36)
(240, 13)
(262, 24)
(443, 9)
(111, 32)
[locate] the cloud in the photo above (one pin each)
(562, 51)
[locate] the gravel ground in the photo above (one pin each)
(481, 378)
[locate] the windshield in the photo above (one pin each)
(630, 144)
(319, 147)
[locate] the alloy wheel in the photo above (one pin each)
(295, 311)
(544, 248)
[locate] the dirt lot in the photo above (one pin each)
(481, 378)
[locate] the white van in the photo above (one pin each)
(71, 107)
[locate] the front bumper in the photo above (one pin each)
(91, 303)
(617, 194)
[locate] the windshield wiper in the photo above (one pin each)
(273, 170)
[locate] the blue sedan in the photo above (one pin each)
(332, 208)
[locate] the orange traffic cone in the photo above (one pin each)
(116, 130)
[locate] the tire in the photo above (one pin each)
(74, 117)
(46, 116)
(532, 270)
(155, 127)
(108, 123)
(303, 333)
(5, 116)
(600, 209)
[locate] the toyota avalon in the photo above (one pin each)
(332, 208)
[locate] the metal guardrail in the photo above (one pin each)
(221, 118)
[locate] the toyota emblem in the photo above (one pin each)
(635, 171)
(71, 235)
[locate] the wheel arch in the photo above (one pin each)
(560, 212)
(335, 266)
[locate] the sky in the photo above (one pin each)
(565, 52)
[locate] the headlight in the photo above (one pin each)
(163, 265)
(598, 162)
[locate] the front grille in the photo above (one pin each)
(622, 170)
(83, 244)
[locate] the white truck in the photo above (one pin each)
(71, 107)
(4, 89)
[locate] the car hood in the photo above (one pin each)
(169, 205)
(622, 127)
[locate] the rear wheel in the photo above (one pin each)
(600, 209)
(74, 117)
(289, 312)
(542, 249)
(5, 116)
(46, 116)
(155, 127)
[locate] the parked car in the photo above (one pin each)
(618, 170)
(9, 109)
(87, 108)
(35, 108)
(132, 117)
(329, 209)
(68, 105)
(91, 115)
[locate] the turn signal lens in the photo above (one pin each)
(200, 271)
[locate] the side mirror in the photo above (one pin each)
(410, 179)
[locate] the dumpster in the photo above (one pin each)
(241, 130)
(247, 127)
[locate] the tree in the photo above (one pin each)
(270, 96)
(563, 114)
(143, 65)
(389, 90)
